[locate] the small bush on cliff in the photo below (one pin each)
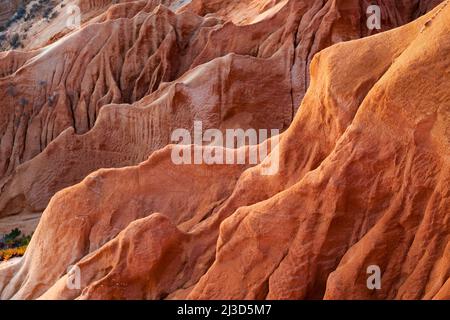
(47, 13)
(15, 41)
(13, 235)
(20, 13)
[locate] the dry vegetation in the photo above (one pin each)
(14, 31)
(7, 254)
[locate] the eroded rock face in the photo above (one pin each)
(156, 71)
(363, 167)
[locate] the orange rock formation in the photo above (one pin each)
(156, 71)
(364, 155)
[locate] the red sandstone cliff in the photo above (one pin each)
(156, 70)
(364, 161)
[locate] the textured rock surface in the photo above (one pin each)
(364, 166)
(153, 87)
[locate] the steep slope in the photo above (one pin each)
(363, 181)
(153, 68)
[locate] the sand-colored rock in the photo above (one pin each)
(363, 181)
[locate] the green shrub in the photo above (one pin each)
(15, 239)
(13, 235)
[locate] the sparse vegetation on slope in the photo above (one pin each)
(13, 244)
(15, 30)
